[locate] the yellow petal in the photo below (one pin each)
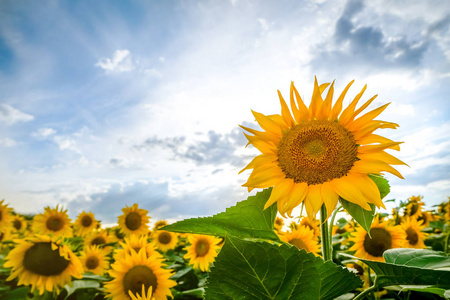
(375, 167)
(262, 159)
(349, 111)
(337, 108)
(285, 112)
(298, 194)
(382, 156)
(374, 138)
(267, 124)
(345, 188)
(313, 201)
(279, 191)
(377, 148)
(366, 118)
(330, 197)
(295, 110)
(316, 100)
(326, 107)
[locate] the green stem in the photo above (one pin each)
(367, 291)
(446, 242)
(330, 230)
(325, 235)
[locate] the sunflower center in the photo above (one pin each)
(17, 224)
(165, 238)
(299, 243)
(138, 276)
(54, 223)
(202, 247)
(41, 259)
(86, 221)
(98, 241)
(381, 241)
(133, 221)
(92, 262)
(412, 236)
(316, 152)
(414, 208)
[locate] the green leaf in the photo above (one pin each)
(77, 285)
(262, 270)
(362, 216)
(247, 219)
(412, 267)
(422, 288)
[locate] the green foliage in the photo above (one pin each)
(247, 219)
(262, 270)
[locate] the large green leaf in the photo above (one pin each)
(362, 216)
(412, 267)
(262, 271)
(247, 219)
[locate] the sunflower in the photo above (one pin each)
(278, 224)
(43, 263)
(316, 155)
(414, 234)
(134, 220)
(136, 270)
(202, 251)
(165, 240)
(382, 237)
(135, 243)
(5, 217)
(159, 224)
(19, 223)
(53, 222)
(312, 224)
(5, 236)
(303, 238)
(94, 259)
(414, 207)
(85, 223)
(98, 238)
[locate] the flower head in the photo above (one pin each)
(54, 221)
(202, 251)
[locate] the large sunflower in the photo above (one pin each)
(165, 240)
(202, 251)
(94, 259)
(382, 237)
(53, 221)
(316, 155)
(414, 234)
(85, 223)
(136, 270)
(134, 220)
(43, 263)
(5, 217)
(303, 238)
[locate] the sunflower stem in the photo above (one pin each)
(330, 230)
(325, 235)
(367, 291)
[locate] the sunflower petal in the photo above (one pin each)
(266, 123)
(280, 191)
(337, 108)
(285, 112)
(313, 201)
(303, 110)
(347, 114)
(345, 188)
(330, 197)
(326, 107)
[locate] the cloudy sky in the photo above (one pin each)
(108, 103)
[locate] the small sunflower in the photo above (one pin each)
(94, 259)
(134, 220)
(43, 263)
(159, 224)
(135, 243)
(425, 218)
(202, 251)
(312, 224)
(303, 238)
(5, 236)
(316, 155)
(97, 238)
(85, 223)
(383, 237)
(165, 240)
(53, 222)
(5, 217)
(414, 235)
(19, 223)
(135, 270)
(414, 207)
(278, 224)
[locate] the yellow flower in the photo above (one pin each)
(303, 238)
(97, 238)
(165, 240)
(94, 259)
(278, 224)
(317, 154)
(19, 223)
(135, 243)
(53, 222)
(414, 207)
(136, 270)
(383, 237)
(85, 223)
(159, 224)
(312, 224)
(414, 234)
(134, 220)
(5, 217)
(43, 263)
(203, 251)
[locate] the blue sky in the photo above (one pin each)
(108, 103)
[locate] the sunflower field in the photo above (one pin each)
(319, 160)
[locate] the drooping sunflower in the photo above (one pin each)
(19, 223)
(383, 237)
(135, 243)
(303, 238)
(165, 240)
(53, 221)
(312, 224)
(5, 217)
(85, 223)
(43, 263)
(136, 270)
(134, 220)
(317, 154)
(159, 224)
(202, 251)
(94, 259)
(414, 235)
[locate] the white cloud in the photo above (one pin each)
(44, 132)
(120, 62)
(7, 142)
(10, 115)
